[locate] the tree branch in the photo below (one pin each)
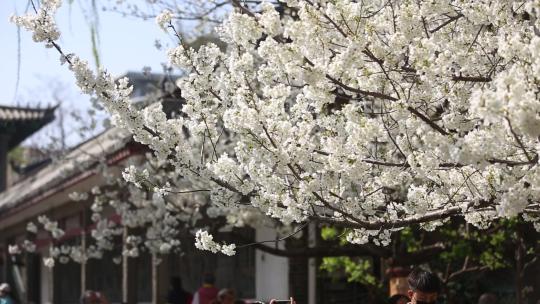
(376, 225)
(450, 20)
(428, 121)
(471, 78)
(360, 91)
(464, 271)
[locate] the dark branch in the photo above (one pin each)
(471, 78)
(450, 20)
(428, 121)
(360, 91)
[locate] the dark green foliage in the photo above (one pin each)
(471, 261)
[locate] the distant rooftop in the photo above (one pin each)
(18, 123)
(145, 83)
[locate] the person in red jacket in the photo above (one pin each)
(208, 292)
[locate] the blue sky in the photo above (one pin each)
(126, 44)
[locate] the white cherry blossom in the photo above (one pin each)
(374, 116)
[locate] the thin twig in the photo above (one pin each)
(276, 240)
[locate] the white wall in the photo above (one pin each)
(271, 272)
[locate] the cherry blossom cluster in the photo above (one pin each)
(41, 23)
(205, 241)
(164, 19)
(376, 115)
(373, 115)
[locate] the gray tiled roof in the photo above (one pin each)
(78, 160)
(19, 122)
(20, 113)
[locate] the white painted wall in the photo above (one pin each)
(271, 272)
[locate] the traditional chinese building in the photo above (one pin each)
(43, 188)
(17, 124)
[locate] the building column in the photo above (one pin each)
(271, 272)
(155, 279)
(32, 278)
(83, 263)
(19, 267)
(4, 150)
(312, 265)
(3, 260)
(82, 225)
(129, 280)
(47, 284)
(129, 275)
(160, 274)
(125, 281)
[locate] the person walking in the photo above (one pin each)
(208, 292)
(177, 294)
(5, 294)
